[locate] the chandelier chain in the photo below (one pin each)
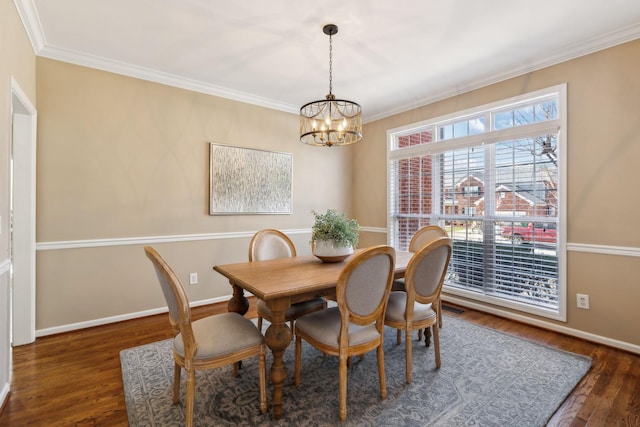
(330, 63)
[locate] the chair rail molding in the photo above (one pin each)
(149, 240)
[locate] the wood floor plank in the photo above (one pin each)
(74, 378)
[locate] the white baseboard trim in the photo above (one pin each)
(114, 319)
(4, 394)
(632, 348)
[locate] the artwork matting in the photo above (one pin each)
(249, 181)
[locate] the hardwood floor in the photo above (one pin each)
(74, 379)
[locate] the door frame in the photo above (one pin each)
(23, 216)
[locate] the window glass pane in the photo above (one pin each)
(503, 120)
(523, 115)
(418, 138)
(526, 114)
(546, 111)
(446, 132)
(414, 198)
(476, 126)
(460, 129)
(527, 177)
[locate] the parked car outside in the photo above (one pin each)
(533, 232)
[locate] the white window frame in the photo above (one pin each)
(558, 125)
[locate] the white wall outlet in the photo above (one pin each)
(582, 300)
(193, 278)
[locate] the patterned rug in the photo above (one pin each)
(487, 378)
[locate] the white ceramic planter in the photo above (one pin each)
(328, 251)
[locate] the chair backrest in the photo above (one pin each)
(270, 244)
(174, 294)
(364, 285)
(425, 235)
(426, 271)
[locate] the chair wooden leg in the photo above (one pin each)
(298, 356)
(382, 376)
(262, 371)
(408, 355)
(343, 386)
(398, 336)
(176, 383)
(236, 369)
(440, 313)
(191, 395)
(260, 323)
(427, 337)
(436, 344)
(419, 334)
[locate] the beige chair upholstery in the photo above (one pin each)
(422, 237)
(273, 244)
(417, 307)
(207, 343)
(356, 325)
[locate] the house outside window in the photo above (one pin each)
(494, 178)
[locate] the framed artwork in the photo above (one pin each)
(249, 181)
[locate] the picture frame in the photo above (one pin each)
(249, 181)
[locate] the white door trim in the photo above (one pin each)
(23, 228)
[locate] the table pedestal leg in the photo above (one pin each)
(238, 302)
(278, 337)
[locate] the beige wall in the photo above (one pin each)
(126, 159)
(603, 151)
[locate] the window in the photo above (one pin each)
(492, 177)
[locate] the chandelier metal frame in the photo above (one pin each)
(330, 121)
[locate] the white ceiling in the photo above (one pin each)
(389, 56)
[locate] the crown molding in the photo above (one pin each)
(31, 22)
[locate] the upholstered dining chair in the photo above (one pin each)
(272, 244)
(207, 343)
(422, 237)
(356, 325)
(417, 307)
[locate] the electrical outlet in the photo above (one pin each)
(582, 301)
(193, 278)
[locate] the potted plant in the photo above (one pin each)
(333, 236)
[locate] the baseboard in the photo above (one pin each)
(114, 319)
(622, 345)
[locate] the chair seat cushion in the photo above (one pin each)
(397, 305)
(324, 326)
(220, 335)
(295, 310)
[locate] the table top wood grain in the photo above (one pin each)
(286, 277)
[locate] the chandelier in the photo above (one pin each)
(330, 121)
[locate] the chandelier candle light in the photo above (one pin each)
(330, 121)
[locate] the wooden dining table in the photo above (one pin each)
(280, 283)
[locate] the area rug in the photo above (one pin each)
(487, 378)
